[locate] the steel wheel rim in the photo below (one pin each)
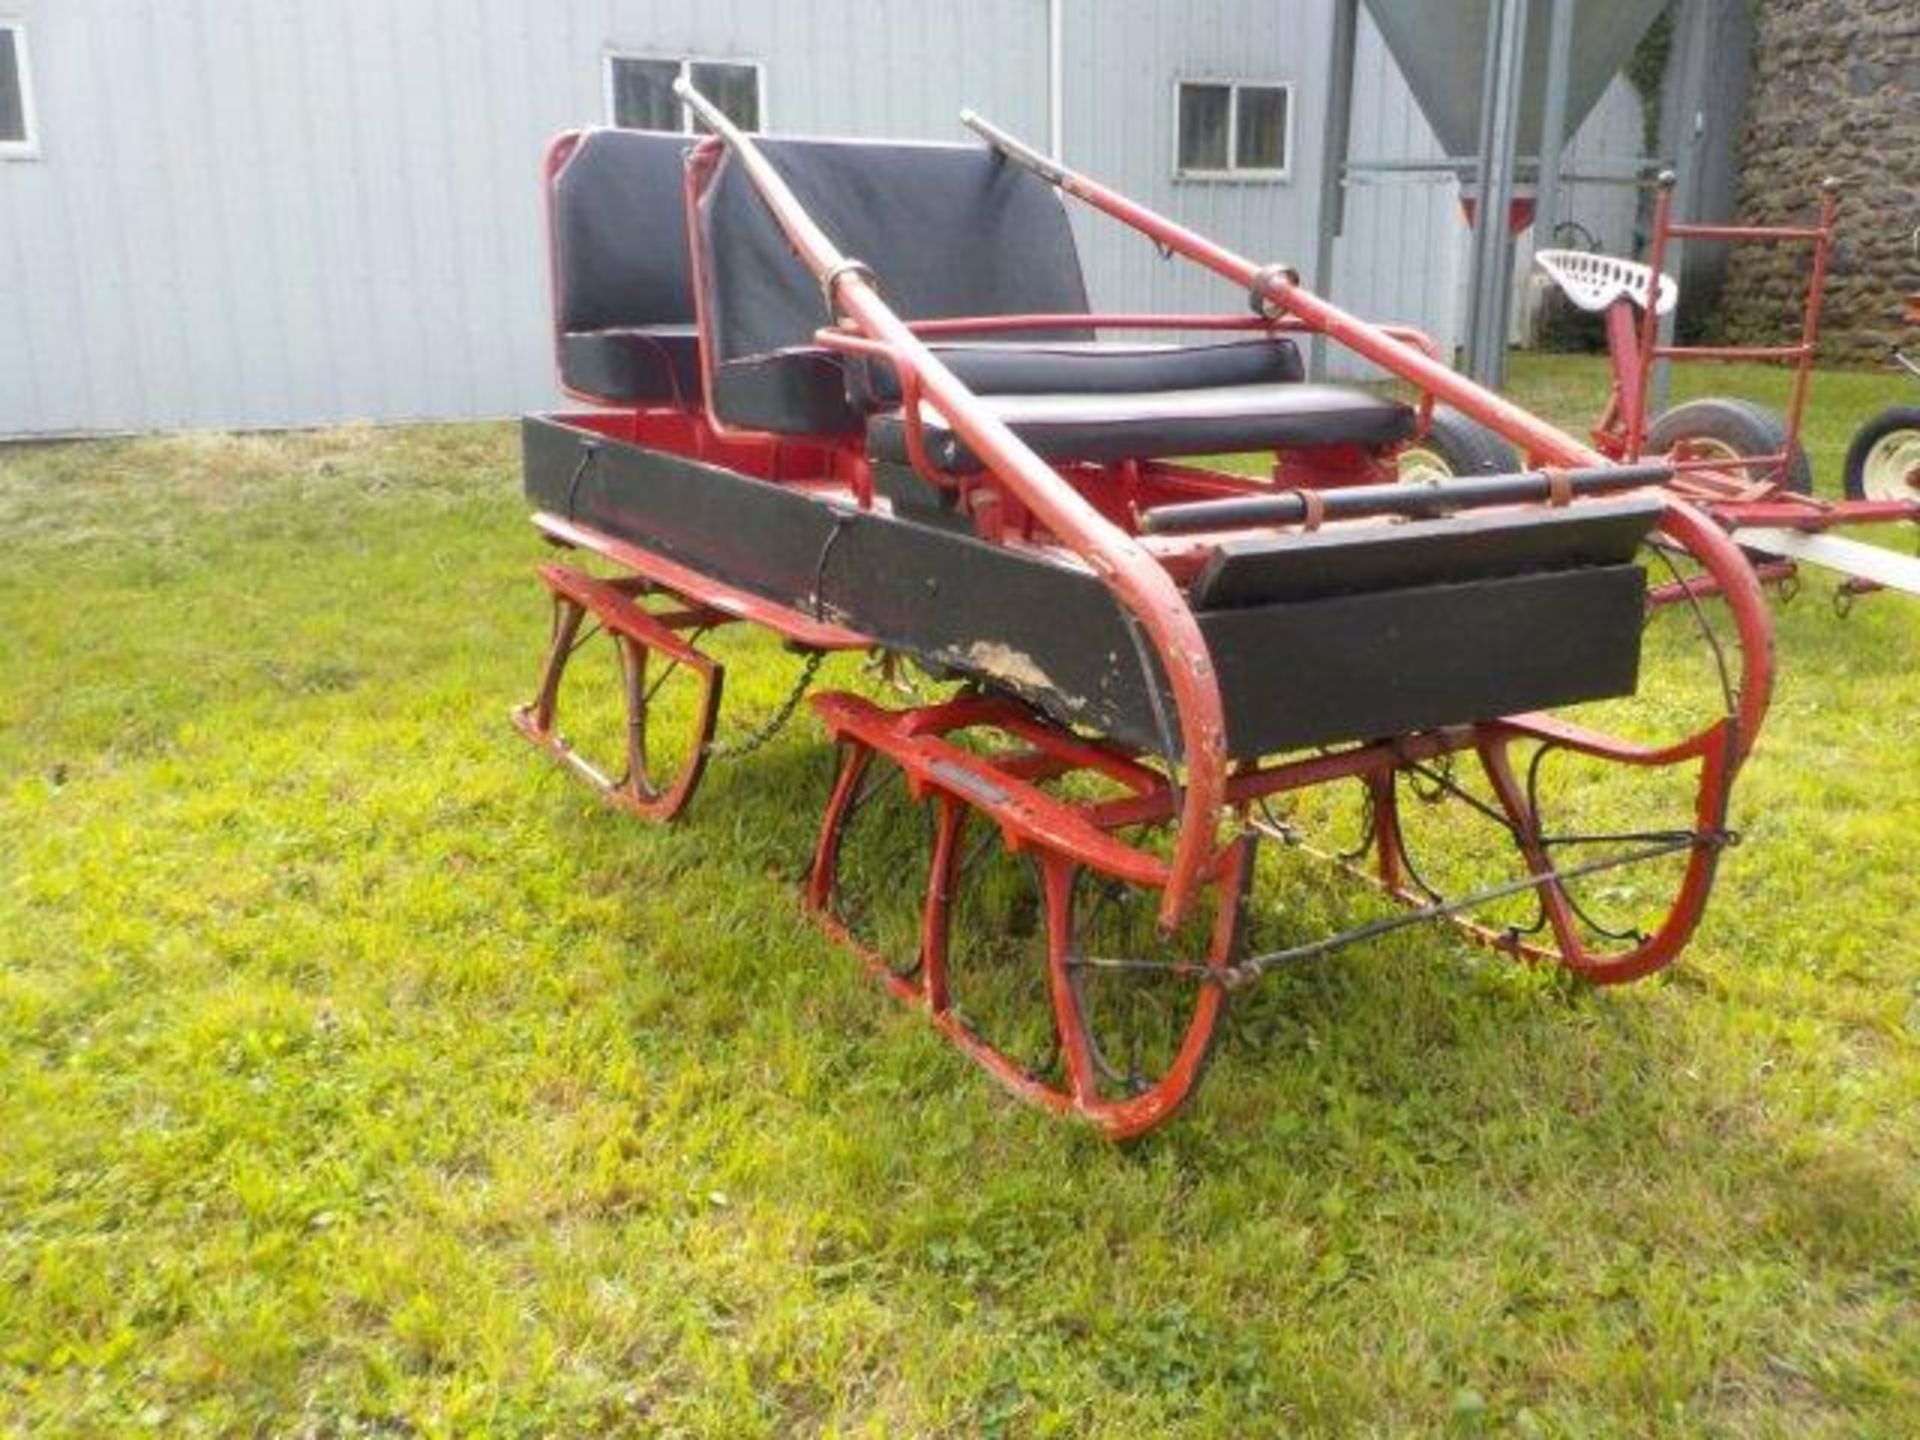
(1892, 469)
(1419, 462)
(1702, 447)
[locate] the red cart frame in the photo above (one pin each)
(1749, 495)
(1143, 531)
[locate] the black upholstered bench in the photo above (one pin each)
(1091, 367)
(623, 296)
(953, 230)
(1144, 425)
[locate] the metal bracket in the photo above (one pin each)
(1257, 298)
(830, 283)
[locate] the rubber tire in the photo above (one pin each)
(1898, 417)
(1464, 446)
(1746, 428)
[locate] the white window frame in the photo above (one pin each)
(686, 63)
(28, 148)
(1234, 171)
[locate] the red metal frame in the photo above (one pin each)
(1635, 347)
(1142, 586)
(1064, 838)
(1204, 806)
(639, 635)
(1279, 292)
(1746, 492)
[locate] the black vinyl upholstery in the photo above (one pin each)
(1167, 422)
(955, 230)
(656, 364)
(1095, 367)
(623, 292)
(798, 390)
(948, 229)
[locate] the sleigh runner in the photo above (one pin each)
(853, 393)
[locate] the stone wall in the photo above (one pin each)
(1836, 91)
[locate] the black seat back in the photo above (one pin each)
(947, 229)
(619, 233)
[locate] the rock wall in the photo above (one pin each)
(1836, 91)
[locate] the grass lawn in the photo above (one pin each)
(360, 1075)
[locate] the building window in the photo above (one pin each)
(640, 92)
(16, 93)
(1227, 129)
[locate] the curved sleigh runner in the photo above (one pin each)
(853, 393)
(648, 648)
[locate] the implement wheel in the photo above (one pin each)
(1724, 429)
(1883, 462)
(1455, 446)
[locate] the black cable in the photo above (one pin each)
(1255, 966)
(842, 522)
(589, 452)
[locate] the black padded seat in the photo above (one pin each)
(657, 364)
(955, 230)
(623, 292)
(1098, 367)
(948, 230)
(795, 390)
(1161, 423)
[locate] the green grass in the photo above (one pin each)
(360, 1075)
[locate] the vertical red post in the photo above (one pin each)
(1650, 318)
(1810, 316)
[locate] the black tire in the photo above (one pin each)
(1898, 425)
(1455, 445)
(1740, 428)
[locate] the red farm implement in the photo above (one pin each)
(1741, 463)
(853, 393)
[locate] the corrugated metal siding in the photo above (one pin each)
(272, 212)
(1402, 242)
(1613, 133)
(1404, 247)
(1123, 59)
(275, 212)
(1608, 214)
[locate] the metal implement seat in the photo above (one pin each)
(1593, 282)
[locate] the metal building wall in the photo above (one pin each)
(1123, 58)
(1615, 131)
(275, 212)
(255, 213)
(1609, 213)
(1402, 245)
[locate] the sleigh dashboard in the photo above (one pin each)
(1362, 630)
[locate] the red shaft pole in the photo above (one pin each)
(1143, 585)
